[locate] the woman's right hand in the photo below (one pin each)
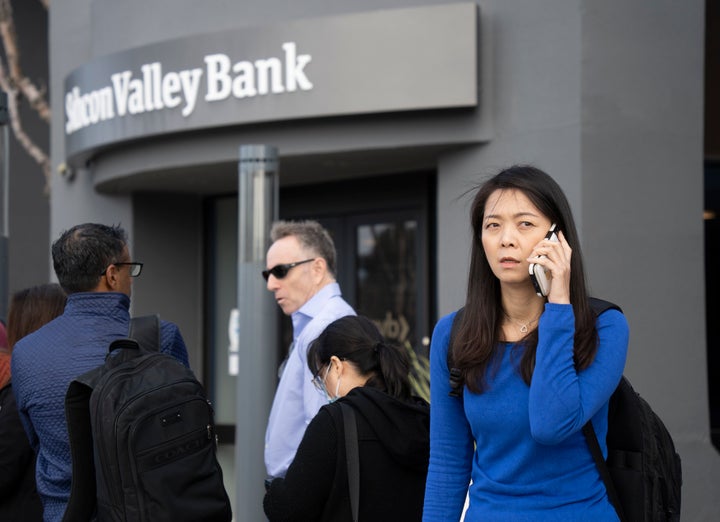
(556, 261)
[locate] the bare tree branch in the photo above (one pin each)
(34, 96)
(33, 150)
(16, 84)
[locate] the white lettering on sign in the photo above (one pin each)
(155, 89)
(247, 79)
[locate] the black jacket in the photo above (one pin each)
(393, 439)
(19, 499)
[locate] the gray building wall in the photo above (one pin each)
(650, 167)
(594, 92)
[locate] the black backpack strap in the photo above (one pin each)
(599, 306)
(456, 381)
(145, 329)
(82, 504)
(352, 454)
(594, 446)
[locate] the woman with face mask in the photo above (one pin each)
(353, 365)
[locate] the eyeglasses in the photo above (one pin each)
(280, 271)
(135, 268)
(319, 382)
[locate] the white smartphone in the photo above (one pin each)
(538, 275)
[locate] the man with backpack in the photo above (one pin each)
(93, 265)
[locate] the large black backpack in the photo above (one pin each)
(142, 438)
(643, 472)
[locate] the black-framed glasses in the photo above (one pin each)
(280, 271)
(135, 268)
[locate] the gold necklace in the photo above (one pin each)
(523, 326)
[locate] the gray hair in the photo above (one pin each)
(311, 235)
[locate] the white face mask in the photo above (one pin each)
(337, 389)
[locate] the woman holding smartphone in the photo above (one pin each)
(528, 370)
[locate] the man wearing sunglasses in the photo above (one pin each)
(301, 274)
(93, 265)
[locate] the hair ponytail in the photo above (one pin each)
(356, 339)
(393, 370)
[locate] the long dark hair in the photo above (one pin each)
(479, 329)
(357, 340)
(31, 308)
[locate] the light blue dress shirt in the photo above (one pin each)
(296, 400)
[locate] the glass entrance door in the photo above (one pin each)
(387, 275)
(382, 232)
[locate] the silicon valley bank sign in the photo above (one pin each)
(156, 90)
(380, 61)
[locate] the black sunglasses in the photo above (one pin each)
(280, 271)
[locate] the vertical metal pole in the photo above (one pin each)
(5, 215)
(257, 209)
